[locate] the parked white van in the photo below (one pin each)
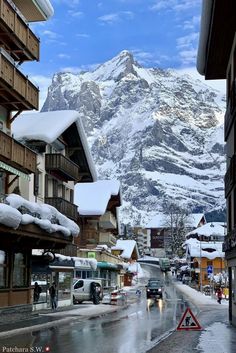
(87, 290)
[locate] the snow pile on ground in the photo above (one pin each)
(196, 297)
(216, 338)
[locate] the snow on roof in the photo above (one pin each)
(39, 214)
(50, 125)
(127, 246)
(194, 219)
(199, 249)
(209, 229)
(92, 198)
(161, 220)
(79, 261)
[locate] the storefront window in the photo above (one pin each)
(43, 281)
(19, 270)
(3, 269)
(64, 285)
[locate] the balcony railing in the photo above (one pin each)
(230, 176)
(16, 35)
(61, 166)
(17, 155)
(108, 221)
(65, 207)
(107, 238)
(17, 91)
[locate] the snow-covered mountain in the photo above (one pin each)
(160, 133)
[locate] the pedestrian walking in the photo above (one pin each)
(219, 294)
(37, 291)
(53, 296)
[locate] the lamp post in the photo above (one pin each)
(200, 265)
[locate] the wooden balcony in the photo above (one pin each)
(16, 36)
(61, 167)
(65, 207)
(230, 176)
(107, 239)
(16, 90)
(17, 155)
(108, 221)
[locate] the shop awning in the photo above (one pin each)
(13, 170)
(107, 265)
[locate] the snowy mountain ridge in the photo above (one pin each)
(158, 132)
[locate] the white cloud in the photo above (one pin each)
(82, 35)
(76, 14)
(116, 17)
(50, 34)
(187, 41)
(192, 24)
(174, 5)
(43, 83)
(77, 69)
(69, 3)
(64, 56)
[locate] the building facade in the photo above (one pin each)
(216, 60)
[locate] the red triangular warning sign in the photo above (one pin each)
(188, 321)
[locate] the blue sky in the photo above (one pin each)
(85, 33)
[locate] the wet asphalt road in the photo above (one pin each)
(135, 329)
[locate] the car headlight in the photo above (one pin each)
(159, 289)
(148, 290)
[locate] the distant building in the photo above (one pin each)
(161, 239)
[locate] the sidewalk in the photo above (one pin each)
(47, 318)
(216, 336)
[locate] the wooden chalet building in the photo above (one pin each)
(98, 204)
(18, 44)
(63, 159)
(217, 60)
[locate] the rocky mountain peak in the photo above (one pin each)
(160, 133)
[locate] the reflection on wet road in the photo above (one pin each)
(133, 330)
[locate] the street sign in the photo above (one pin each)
(188, 321)
(209, 269)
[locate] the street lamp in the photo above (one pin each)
(200, 265)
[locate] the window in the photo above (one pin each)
(3, 269)
(79, 284)
(19, 270)
(64, 285)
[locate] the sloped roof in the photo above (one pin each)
(93, 198)
(48, 127)
(194, 219)
(128, 246)
(199, 249)
(160, 220)
(209, 229)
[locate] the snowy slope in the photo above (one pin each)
(159, 133)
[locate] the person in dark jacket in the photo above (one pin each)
(37, 291)
(53, 296)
